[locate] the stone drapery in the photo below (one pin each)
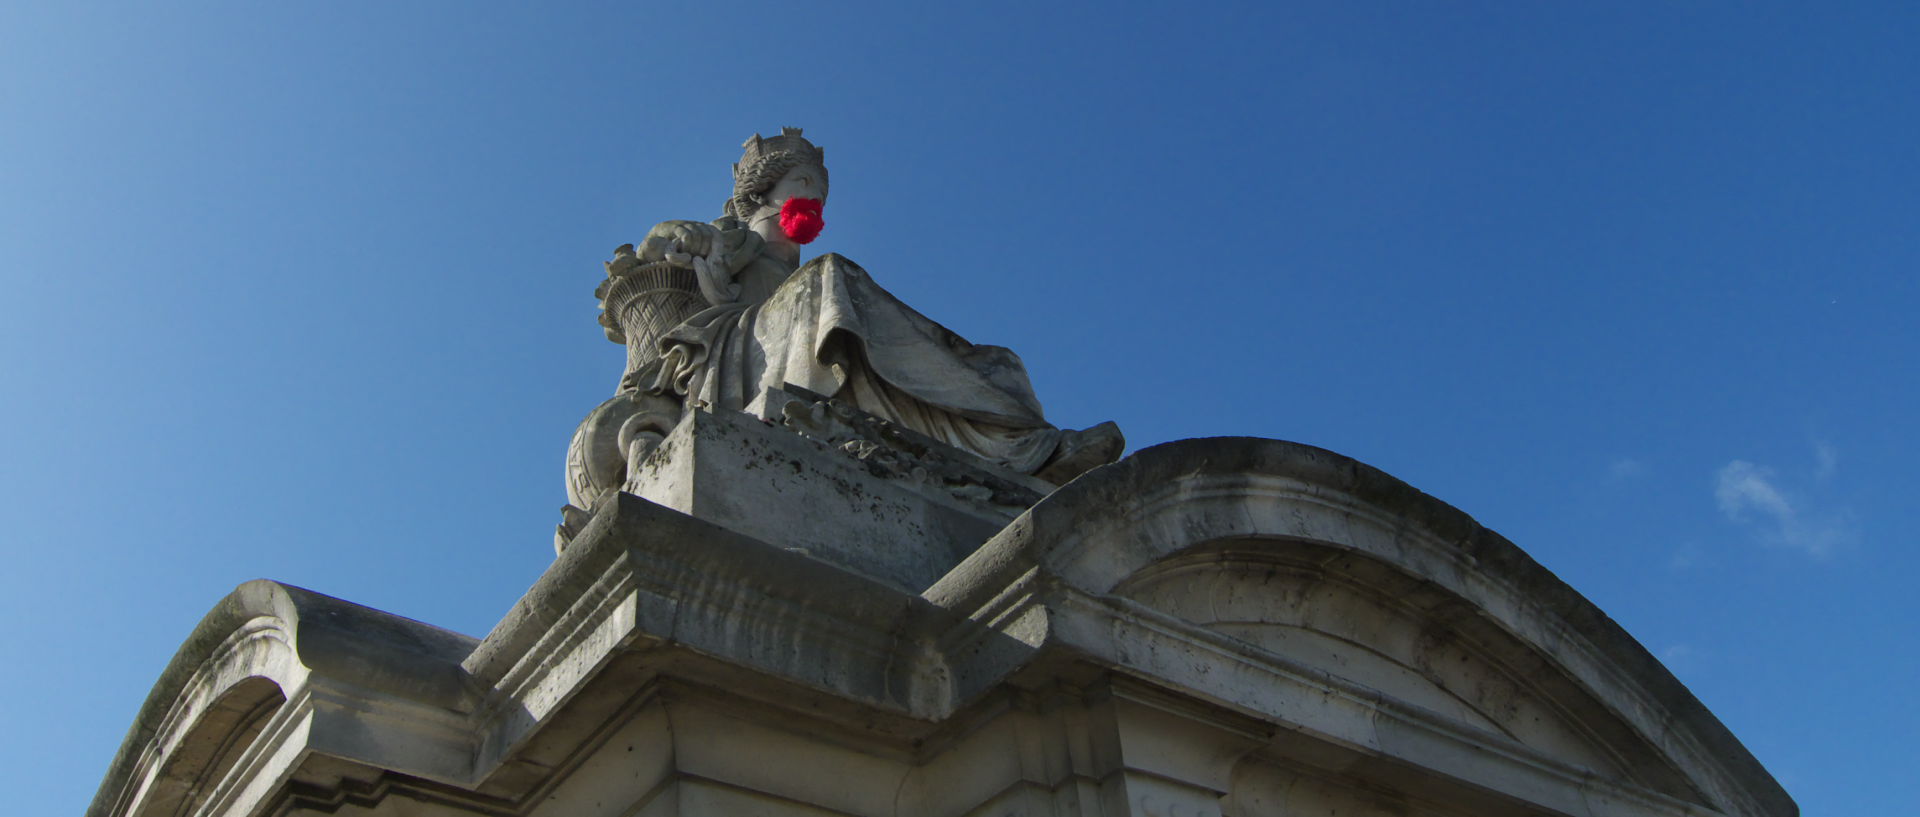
(830, 329)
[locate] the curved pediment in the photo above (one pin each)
(1326, 565)
(228, 686)
(1357, 619)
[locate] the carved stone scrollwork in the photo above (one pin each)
(607, 449)
(891, 451)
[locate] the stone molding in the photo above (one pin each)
(298, 641)
(1185, 494)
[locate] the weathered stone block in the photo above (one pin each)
(757, 478)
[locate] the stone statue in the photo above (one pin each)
(719, 315)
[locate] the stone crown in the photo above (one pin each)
(789, 141)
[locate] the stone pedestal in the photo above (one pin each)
(838, 485)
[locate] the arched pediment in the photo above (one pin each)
(230, 683)
(1361, 620)
(1322, 562)
(240, 655)
(210, 747)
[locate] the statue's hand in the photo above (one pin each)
(712, 271)
(699, 247)
(716, 279)
(678, 237)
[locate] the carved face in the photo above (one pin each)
(803, 182)
(790, 211)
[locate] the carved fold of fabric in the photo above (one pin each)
(1022, 450)
(687, 355)
(830, 329)
(904, 348)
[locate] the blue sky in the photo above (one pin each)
(304, 291)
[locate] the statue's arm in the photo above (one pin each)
(692, 238)
(715, 254)
(675, 242)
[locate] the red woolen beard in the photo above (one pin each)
(800, 219)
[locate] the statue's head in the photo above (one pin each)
(784, 178)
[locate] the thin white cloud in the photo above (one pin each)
(1826, 461)
(1685, 556)
(1625, 468)
(1745, 487)
(1680, 658)
(1749, 494)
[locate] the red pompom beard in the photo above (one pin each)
(800, 219)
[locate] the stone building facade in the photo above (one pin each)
(917, 598)
(1235, 627)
